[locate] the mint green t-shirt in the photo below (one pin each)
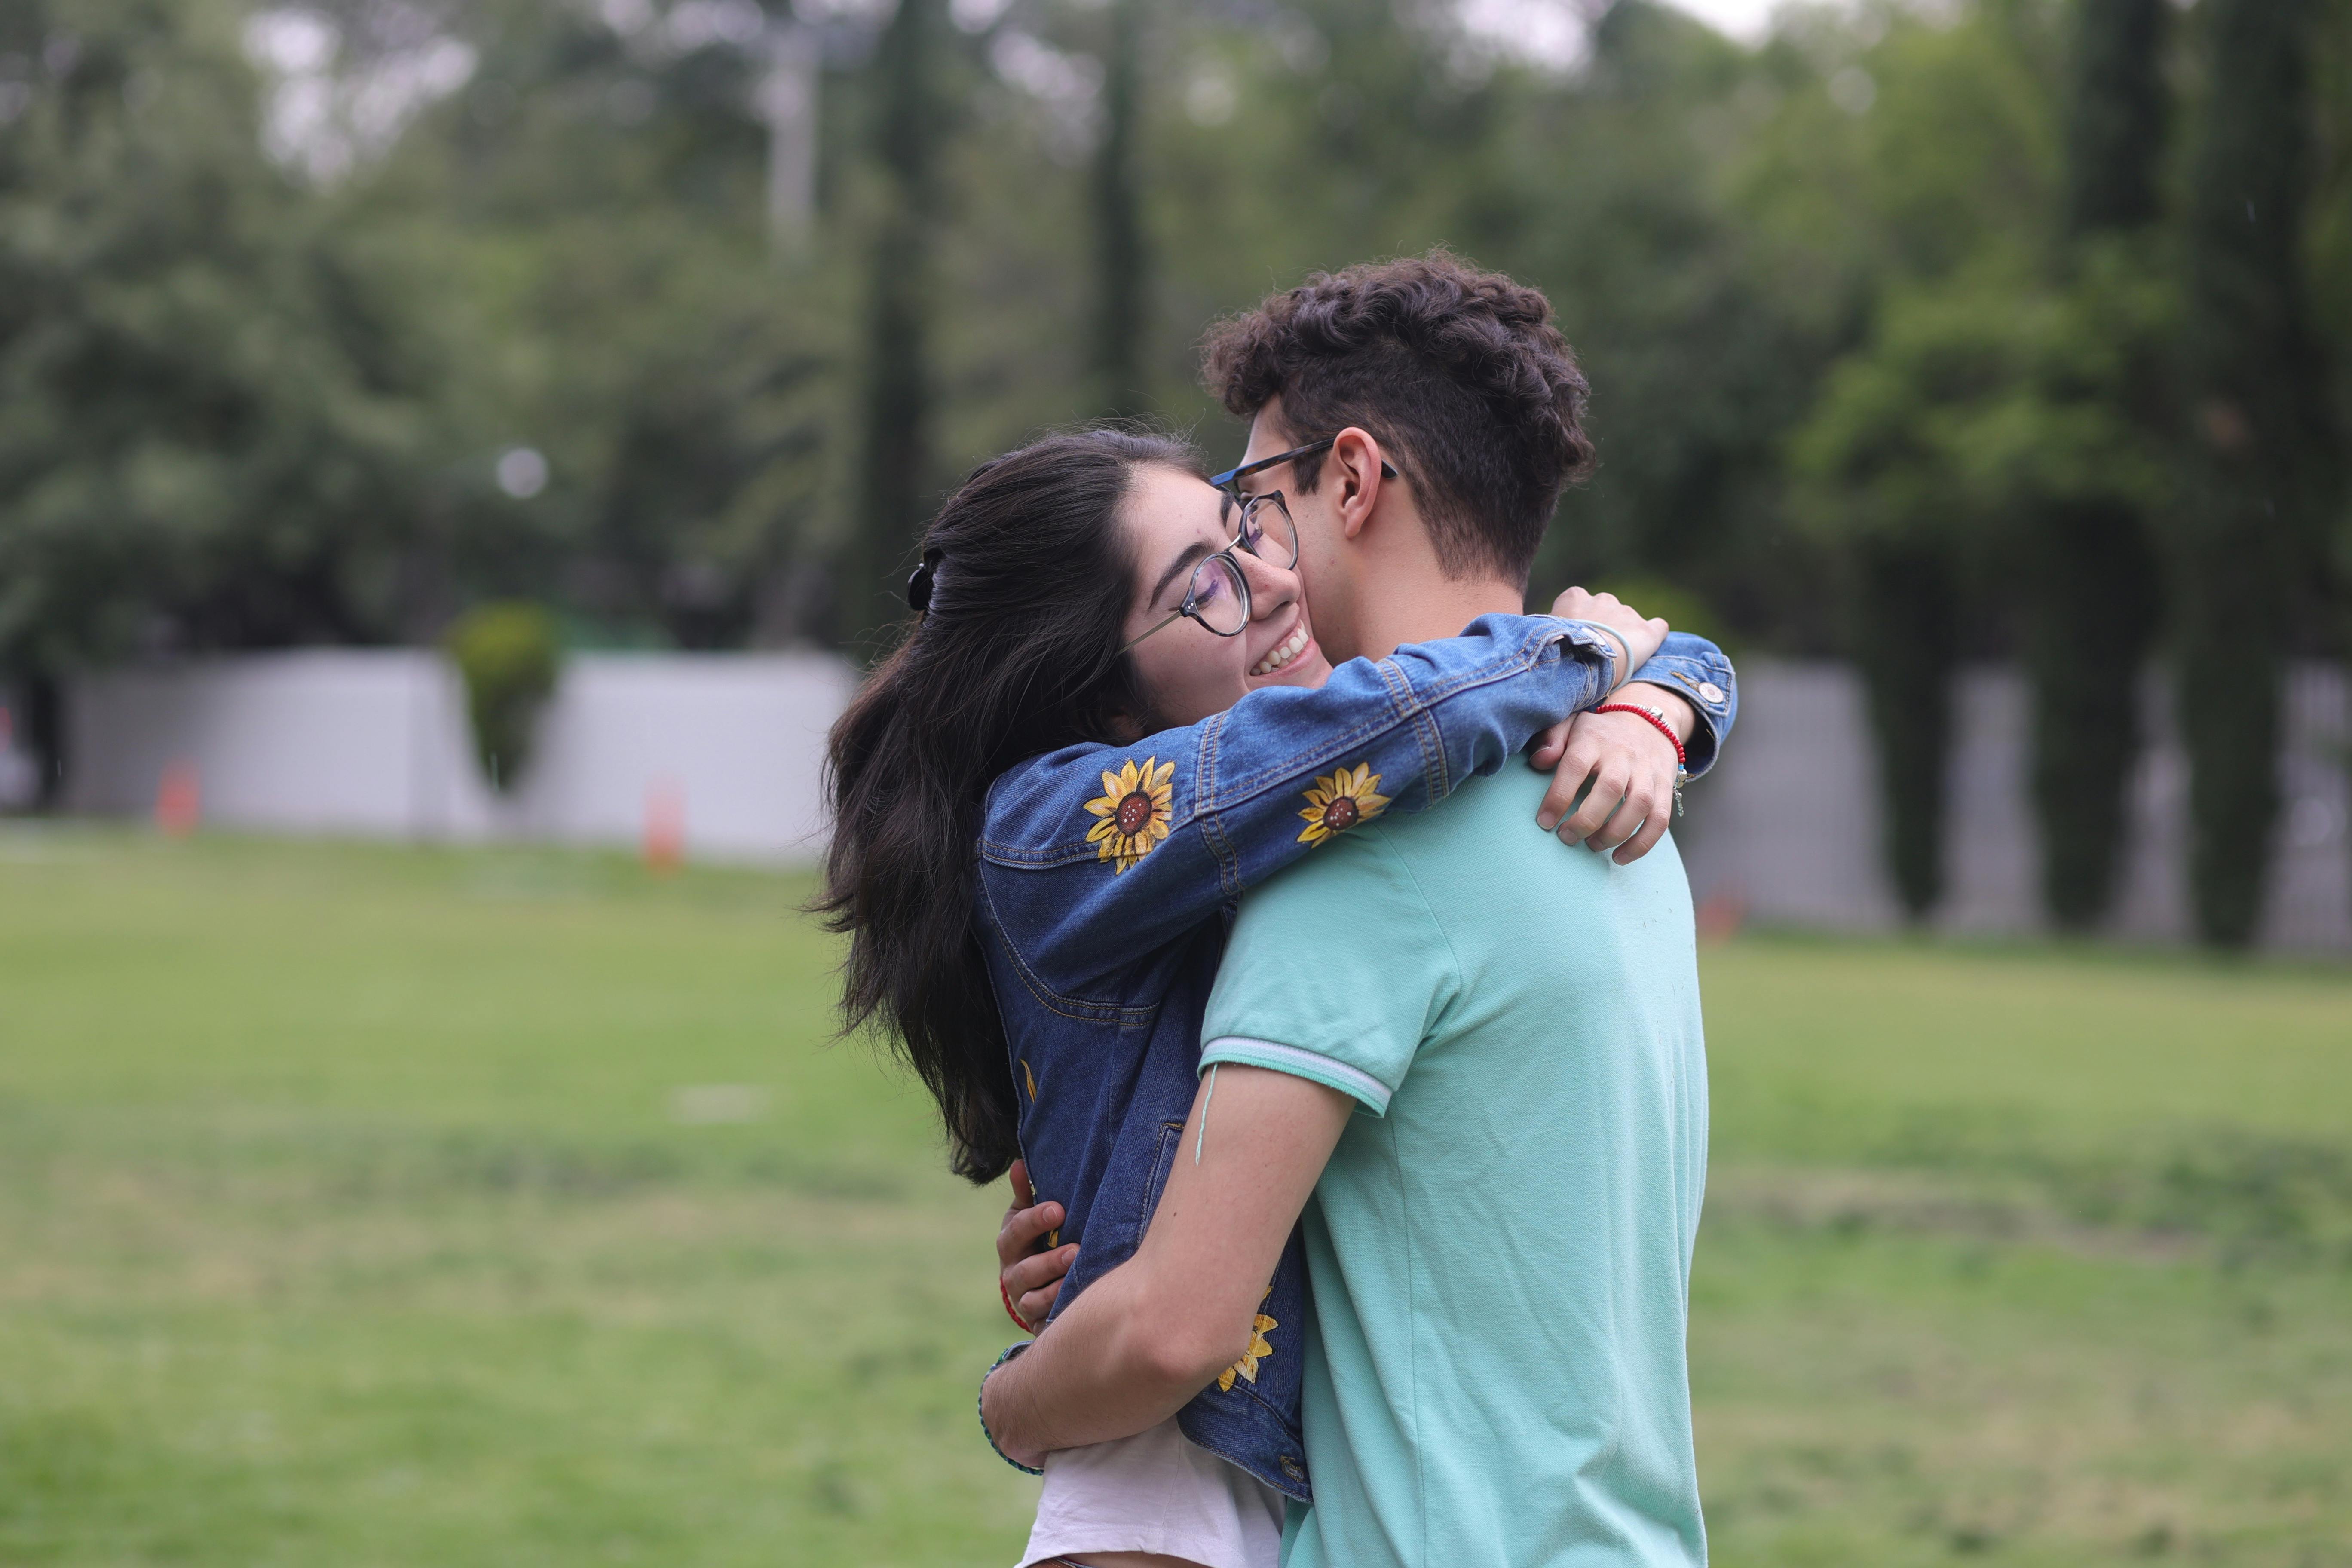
(1500, 1248)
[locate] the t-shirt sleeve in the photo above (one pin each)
(1335, 971)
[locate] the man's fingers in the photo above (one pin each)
(1037, 1273)
(1037, 1304)
(1022, 1229)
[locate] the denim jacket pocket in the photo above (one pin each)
(1172, 1138)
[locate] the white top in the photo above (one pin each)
(1156, 1491)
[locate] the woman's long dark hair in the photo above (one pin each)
(1018, 653)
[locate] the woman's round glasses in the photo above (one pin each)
(1219, 596)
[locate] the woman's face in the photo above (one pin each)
(1175, 520)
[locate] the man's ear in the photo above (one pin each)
(1352, 467)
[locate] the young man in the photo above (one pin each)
(1479, 1055)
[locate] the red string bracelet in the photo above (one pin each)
(1682, 758)
(1006, 1294)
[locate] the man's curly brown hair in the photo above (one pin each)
(1457, 372)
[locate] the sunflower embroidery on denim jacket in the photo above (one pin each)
(1340, 801)
(1133, 812)
(1260, 1347)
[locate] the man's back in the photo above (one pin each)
(1500, 1261)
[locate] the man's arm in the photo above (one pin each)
(1152, 1333)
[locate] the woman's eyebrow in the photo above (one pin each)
(1184, 562)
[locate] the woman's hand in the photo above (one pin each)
(1642, 633)
(1631, 769)
(1032, 1280)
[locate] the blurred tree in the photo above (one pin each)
(509, 653)
(898, 463)
(589, 211)
(2253, 478)
(217, 427)
(1121, 287)
(1885, 465)
(2091, 599)
(1932, 141)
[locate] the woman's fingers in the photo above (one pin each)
(1626, 772)
(1654, 827)
(1549, 747)
(1612, 781)
(1634, 811)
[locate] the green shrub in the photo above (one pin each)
(508, 653)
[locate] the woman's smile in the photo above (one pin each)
(1292, 645)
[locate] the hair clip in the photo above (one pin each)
(918, 580)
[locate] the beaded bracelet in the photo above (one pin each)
(1658, 722)
(981, 1404)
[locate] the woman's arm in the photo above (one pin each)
(1094, 854)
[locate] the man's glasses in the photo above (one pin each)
(1219, 596)
(1232, 476)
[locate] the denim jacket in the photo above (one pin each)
(1107, 876)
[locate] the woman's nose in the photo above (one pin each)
(1271, 586)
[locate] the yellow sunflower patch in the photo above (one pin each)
(1338, 801)
(1260, 1347)
(1132, 812)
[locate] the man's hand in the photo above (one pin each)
(1032, 1280)
(1641, 635)
(1630, 768)
(1153, 1333)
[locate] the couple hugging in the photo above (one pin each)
(1179, 851)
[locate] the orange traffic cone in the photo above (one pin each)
(179, 802)
(664, 844)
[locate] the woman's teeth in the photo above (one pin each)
(1286, 650)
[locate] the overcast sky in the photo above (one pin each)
(1553, 30)
(1743, 19)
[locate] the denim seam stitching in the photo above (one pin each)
(1053, 1001)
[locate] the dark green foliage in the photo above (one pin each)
(510, 655)
(2115, 115)
(1121, 296)
(2251, 498)
(1906, 639)
(897, 463)
(2228, 667)
(2092, 602)
(216, 424)
(2092, 598)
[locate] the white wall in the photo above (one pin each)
(376, 743)
(1787, 827)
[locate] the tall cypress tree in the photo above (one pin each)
(896, 470)
(2251, 374)
(2091, 573)
(1907, 637)
(1121, 287)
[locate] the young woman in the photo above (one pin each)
(1110, 717)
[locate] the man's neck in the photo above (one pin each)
(1428, 608)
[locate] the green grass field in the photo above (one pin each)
(373, 1206)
